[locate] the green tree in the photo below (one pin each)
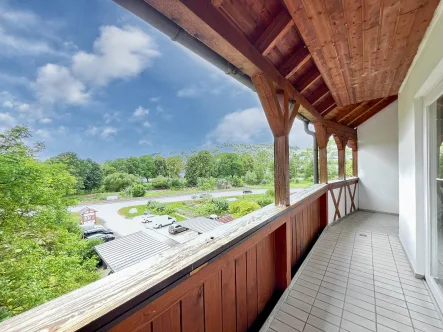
(174, 165)
(94, 175)
(133, 166)
(248, 162)
(120, 165)
(147, 166)
(161, 168)
(200, 165)
(42, 255)
(108, 169)
(76, 166)
(229, 164)
(119, 181)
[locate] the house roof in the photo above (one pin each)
(225, 219)
(129, 250)
(201, 224)
(86, 210)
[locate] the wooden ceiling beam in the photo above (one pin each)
(372, 111)
(295, 62)
(218, 23)
(325, 103)
(339, 129)
(308, 79)
(279, 27)
(329, 109)
(315, 97)
(358, 107)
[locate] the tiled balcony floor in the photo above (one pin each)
(357, 279)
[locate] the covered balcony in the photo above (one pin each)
(353, 254)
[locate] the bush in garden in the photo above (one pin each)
(206, 183)
(177, 183)
(222, 184)
(236, 181)
(265, 200)
(119, 181)
(160, 183)
(222, 205)
(138, 190)
(156, 207)
(270, 192)
(251, 178)
(242, 207)
(148, 185)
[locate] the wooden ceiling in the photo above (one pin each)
(345, 60)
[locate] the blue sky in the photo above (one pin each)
(89, 77)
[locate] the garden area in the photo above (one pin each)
(236, 206)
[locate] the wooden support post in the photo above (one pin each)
(281, 170)
(323, 210)
(352, 143)
(280, 118)
(322, 141)
(341, 142)
(283, 251)
(355, 163)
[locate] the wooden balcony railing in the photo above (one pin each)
(226, 280)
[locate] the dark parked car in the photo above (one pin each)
(104, 237)
(247, 191)
(177, 228)
(87, 232)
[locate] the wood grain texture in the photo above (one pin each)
(281, 170)
(251, 284)
(265, 270)
(213, 303)
(228, 298)
(169, 321)
(193, 319)
(241, 293)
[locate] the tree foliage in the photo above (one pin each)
(119, 181)
(42, 255)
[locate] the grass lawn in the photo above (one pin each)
(183, 210)
(75, 216)
(301, 184)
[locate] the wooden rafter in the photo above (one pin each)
(295, 62)
(372, 111)
(308, 79)
(318, 94)
(325, 104)
(329, 109)
(274, 33)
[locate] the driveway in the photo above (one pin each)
(108, 212)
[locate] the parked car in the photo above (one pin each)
(161, 221)
(147, 217)
(104, 237)
(201, 195)
(177, 228)
(97, 229)
(247, 191)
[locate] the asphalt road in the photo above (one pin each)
(108, 212)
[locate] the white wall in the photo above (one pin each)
(378, 161)
(424, 74)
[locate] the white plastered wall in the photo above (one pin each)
(378, 161)
(424, 74)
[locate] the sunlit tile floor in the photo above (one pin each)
(357, 279)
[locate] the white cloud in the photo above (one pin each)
(119, 53)
(155, 99)
(189, 92)
(108, 131)
(111, 117)
(147, 124)
(24, 107)
(7, 119)
(145, 142)
(8, 104)
(45, 120)
(55, 83)
(16, 45)
(103, 132)
(140, 112)
(244, 126)
(43, 133)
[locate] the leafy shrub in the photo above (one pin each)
(251, 178)
(265, 200)
(119, 181)
(222, 205)
(242, 207)
(222, 184)
(270, 192)
(138, 190)
(177, 183)
(206, 183)
(148, 185)
(236, 181)
(160, 183)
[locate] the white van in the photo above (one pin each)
(161, 221)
